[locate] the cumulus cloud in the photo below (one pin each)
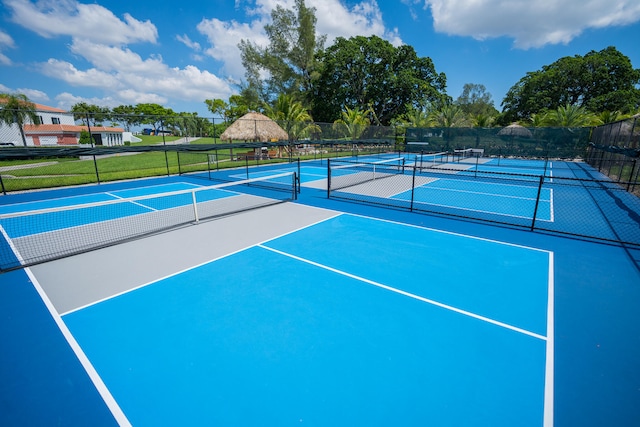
(530, 23)
(6, 41)
(50, 18)
(122, 71)
(334, 18)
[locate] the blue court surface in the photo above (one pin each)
(370, 316)
(314, 322)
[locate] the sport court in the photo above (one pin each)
(312, 313)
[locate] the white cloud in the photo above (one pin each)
(5, 42)
(66, 100)
(34, 94)
(50, 18)
(184, 39)
(224, 38)
(530, 23)
(133, 79)
(334, 19)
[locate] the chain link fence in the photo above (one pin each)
(560, 197)
(615, 151)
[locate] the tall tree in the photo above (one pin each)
(125, 114)
(89, 113)
(369, 72)
(19, 110)
(598, 81)
(476, 101)
(154, 114)
(289, 59)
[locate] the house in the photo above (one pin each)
(57, 127)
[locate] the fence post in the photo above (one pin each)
(95, 165)
(298, 176)
(633, 168)
(179, 167)
(296, 184)
(413, 187)
(535, 210)
(4, 191)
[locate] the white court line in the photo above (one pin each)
(196, 266)
(550, 353)
(106, 395)
(134, 202)
(474, 210)
(407, 294)
(428, 186)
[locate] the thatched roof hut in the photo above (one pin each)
(515, 129)
(254, 127)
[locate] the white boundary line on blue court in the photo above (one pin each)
(194, 266)
(106, 395)
(475, 210)
(549, 339)
(549, 366)
(407, 294)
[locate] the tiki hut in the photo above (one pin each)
(515, 130)
(254, 127)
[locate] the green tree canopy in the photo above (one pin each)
(289, 59)
(89, 113)
(476, 101)
(599, 81)
(370, 73)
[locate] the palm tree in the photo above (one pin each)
(293, 117)
(571, 116)
(19, 110)
(416, 118)
(449, 116)
(352, 123)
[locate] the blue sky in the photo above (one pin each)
(177, 54)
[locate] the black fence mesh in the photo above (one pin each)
(556, 196)
(615, 152)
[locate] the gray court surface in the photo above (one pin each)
(74, 282)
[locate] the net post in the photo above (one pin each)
(195, 207)
(246, 165)
(413, 187)
(535, 209)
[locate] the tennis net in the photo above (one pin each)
(36, 236)
(348, 173)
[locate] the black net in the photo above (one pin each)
(32, 234)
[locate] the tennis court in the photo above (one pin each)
(315, 311)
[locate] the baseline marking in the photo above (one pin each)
(407, 294)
